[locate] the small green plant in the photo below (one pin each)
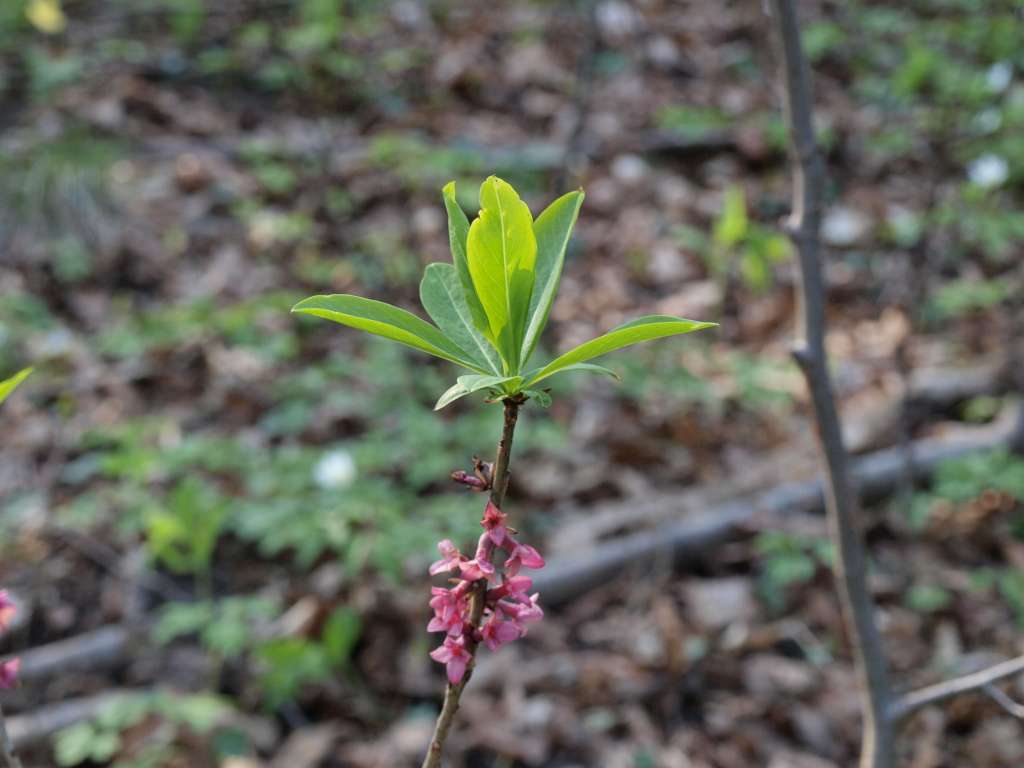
(490, 306)
(160, 722)
(183, 532)
(788, 559)
(928, 598)
(964, 479)
(754, 248)
(964, 296)
(291, 662)
(226, 628)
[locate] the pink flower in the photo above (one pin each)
(523, 613)
(454, 656)
(9, 672)
(508, 606)
(523, 556)
(477, 569)
(450, 557)
(7, 609)
(449, 609)
(515, 587)
(496, 633)
(494, 524)
(480, 567)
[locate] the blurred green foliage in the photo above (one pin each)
(786, 560)
(160, 721)
(964, 479)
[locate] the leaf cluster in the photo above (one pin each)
(491, 304)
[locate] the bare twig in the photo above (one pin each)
(809, 352)
(1014, 708)
(911, 702)
(100, 649)
(453, 693)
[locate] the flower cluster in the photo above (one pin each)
(508, 607)
(8, 669)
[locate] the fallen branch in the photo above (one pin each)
(911, 702)
(42, 724)
(90, 651)
(693, 533)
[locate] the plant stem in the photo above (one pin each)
(453, 693)
(877, 747)
(7, 754)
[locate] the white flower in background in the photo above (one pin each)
(336, 469)
(988, 171)
(988, 120)
(999, 76)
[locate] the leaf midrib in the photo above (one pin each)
(505, 270)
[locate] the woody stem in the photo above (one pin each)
(453, 693)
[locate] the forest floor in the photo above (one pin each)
(222, 515)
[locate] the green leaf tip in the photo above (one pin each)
(7, 386)
(502, 251)
(633, 332)
(386, 320)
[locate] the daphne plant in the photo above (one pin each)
(490, 306)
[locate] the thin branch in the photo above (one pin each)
(453, 693)
(7, 754)
(809, 352)
(1011, 707)
(911, 702)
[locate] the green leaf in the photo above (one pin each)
(458, 234)
(589, 367)
(180, 619)
(340, 635)
(443, 296)
(633, 332)
(388, 321)
(467, 385)
(539, 396)
(731, 226)
(552, 230)
(502, 253)
(73, 745)
(8, 385)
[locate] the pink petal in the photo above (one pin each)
(440, 565)
(9, 672)
(498, 534)
(456, 669)
(442, 654)
(529, 557)
(504, 633)
(7, 609)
